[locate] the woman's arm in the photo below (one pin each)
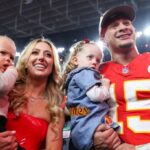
(54, 139)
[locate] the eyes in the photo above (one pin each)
(37, 52)
(4, 53)
(91, 57)
(117, 23)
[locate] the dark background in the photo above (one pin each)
(65, 21)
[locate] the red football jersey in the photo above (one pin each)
(130, 92)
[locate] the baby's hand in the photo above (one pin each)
(105, 82)
(14, 69)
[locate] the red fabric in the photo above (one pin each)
(31, 129)
(131, 92)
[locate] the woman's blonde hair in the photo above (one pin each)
(70, 64)
(54, 95)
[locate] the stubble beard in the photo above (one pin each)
(128, 45)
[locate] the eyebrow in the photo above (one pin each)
(50, 51)
(2, 49)
(35, 49)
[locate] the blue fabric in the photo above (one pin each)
(79, 81)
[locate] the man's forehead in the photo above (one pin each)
(114, 19)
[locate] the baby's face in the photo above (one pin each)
(7, 53)
(90, 56)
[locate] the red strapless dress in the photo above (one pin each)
(31, 130)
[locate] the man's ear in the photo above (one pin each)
(104, 41)
(102, 38)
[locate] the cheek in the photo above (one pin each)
(134, 34)
(1, 66)
(50, 64)
(83, 63)
(29, 60)
(1, 59)
(28, 64)
(106, 40)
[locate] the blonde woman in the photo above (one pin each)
(35, 111)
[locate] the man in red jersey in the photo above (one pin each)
(129, 74)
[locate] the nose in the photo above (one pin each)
(94, 62)
(41, 56)
(122, 27)
(8, 59)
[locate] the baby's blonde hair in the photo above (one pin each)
(70, 64)
(8, 39)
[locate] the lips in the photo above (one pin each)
(124, 36)
(5, 66)
(40, 66)
(93, 66)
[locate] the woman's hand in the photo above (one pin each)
(105, 138)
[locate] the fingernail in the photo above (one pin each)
(13, 131)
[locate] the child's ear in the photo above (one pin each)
(75, 60)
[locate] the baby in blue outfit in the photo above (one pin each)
(87, 93)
